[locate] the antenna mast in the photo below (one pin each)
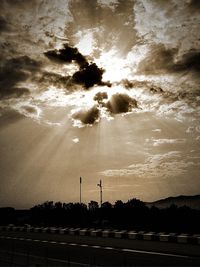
(101, 192)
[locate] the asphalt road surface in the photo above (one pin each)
(49, 250)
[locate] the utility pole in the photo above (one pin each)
(80, 189)
(101, 191)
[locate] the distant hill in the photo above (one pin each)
(190, 201)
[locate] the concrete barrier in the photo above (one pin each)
(53, 230)
(37, 229)
(45, 230)
(172, 237)
(74, 231)
(163, 237)
(106, 233)
(96, 232)
(183, 238)
(83, 232)
(63, 231)
(29, 229)
(149, 236)
(132, 235)
(120, 234)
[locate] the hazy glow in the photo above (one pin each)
(85, 44)
(116, 68)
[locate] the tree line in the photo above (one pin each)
(131, 215)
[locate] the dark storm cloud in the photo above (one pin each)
(19, 2)
(89, 116)
(161, 60)
(88, 75)
(14, 71)
(66, 55)
(121, 103)
(189, 61)
(115, 25)
(4, 26)
(194, 5)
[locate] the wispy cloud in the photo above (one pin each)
(158, 142)
(162, 166)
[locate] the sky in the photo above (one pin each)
(102, 89)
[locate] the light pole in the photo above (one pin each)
(80, 189)
(101, 191)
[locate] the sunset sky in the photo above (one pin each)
(102, 89)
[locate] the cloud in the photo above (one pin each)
(162, 60)
(194, 5)
(113, 24)
(29, 110)
(75, 140)
(157, 130)
(147, 85)
(158, 142)
(88, 116)
(190, 129)
(172, 23)
(100, 97)
(88, 75)
(49, 78)
(29, 20)
(14, 71)
(105, 105)
(162, 166)
(121, 103)
(198, 129)
(4, 25)
(190, 61)
(158, 60)
(108, 2)
(13, 92)
(66, 55)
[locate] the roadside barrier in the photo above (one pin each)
(110, 233)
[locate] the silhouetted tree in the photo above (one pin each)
(133, 214)
(106, 205)
(118, 204)
(93, 205)
(58, 205)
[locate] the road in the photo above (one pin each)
(52, 250)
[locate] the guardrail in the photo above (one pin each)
(108, 233)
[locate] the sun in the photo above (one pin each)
(116, 68)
